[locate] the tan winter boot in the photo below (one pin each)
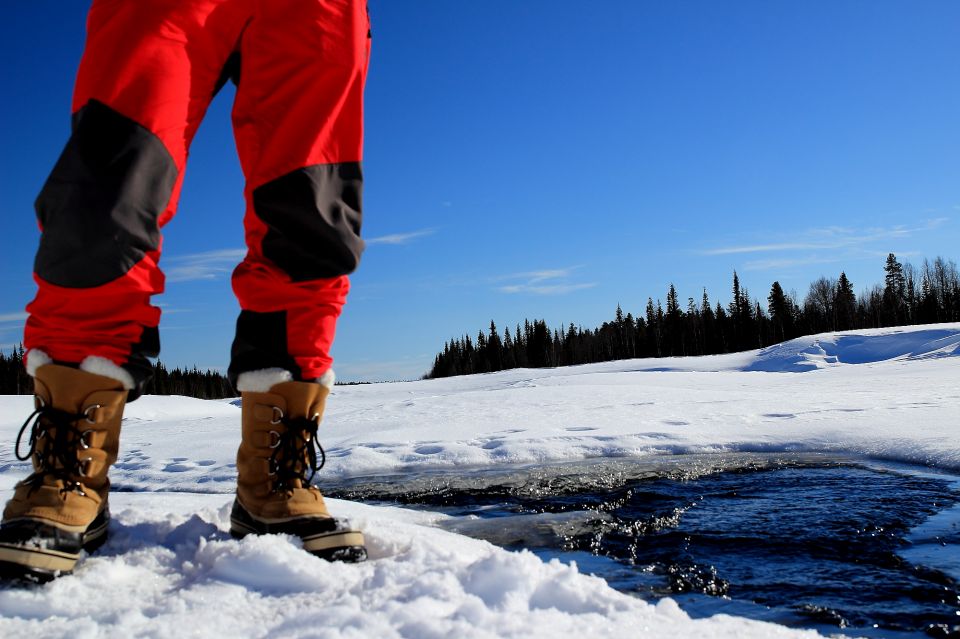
(275, 464)
(61, 508)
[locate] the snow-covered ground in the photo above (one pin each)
(171, 570)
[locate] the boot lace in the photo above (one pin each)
(53, 440)
(295, 452)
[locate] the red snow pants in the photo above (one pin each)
(148, 73)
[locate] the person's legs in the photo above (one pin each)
(147, 75)
(298, 120)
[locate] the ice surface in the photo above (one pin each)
(170, 569)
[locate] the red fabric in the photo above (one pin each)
(299, 103)
(71, 323)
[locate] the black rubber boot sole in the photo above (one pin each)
(322, 536)
(34, 552)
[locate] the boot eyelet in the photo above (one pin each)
(276, 411)
(89, 410)
(315, 418)
(274, 439)
(85, 466)
(84, 443)
(77, 487)
(274, 467)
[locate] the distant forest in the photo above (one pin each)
(909, 295)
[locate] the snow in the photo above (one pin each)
(170, 568)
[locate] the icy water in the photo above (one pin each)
(804, 541)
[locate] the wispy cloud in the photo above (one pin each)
(831, 238)
(532, 277)
(543, 282)
(209, 265)
(400, 238)
(551, 289)
(11, 325)
(765, 248)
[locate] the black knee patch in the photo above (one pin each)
(260, 343)
(313, 217)
(100, 207)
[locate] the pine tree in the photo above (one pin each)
(654, 331)
(894, 292)
(673, 328)
(629, 332)
(509, 358)
(520, 347)
(740, 316)
(494, 349)
(723, 329)
(845, 305)
(781, 313)
(710, 343)
(619, 342)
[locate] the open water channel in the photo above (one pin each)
(848, 547)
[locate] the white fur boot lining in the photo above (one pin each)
(263, 380)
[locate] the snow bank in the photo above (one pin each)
(864, 347)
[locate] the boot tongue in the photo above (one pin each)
(302, 399)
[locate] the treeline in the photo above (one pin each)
(193, 382)
(909, 295)
(206, 384)
(13, 377)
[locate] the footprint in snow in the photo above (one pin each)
(183, 464)
(428, 450)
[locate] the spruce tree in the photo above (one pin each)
(673, 328)
(781, 313)
(894, 291)
(710, 344)
(845, 305)
(494, 349)
(654, 330)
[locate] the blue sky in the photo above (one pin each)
(536, 160)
